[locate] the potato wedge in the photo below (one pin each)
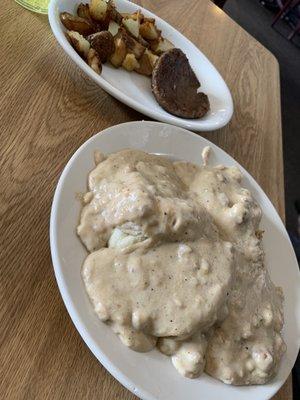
(132, 45)
(78, 24)
(98, 9)
(80, 44)
(119, 54)
(132, 23)
(83, 11)
(113, 27)
(147, 62)
(149, 31)
(130, 62)
(103, 43)
(152, 57)
(93, 61)
(145, 67)
(113, 14)
(161, 45)
(132, 26)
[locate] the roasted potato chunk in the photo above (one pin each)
(132, 45)
(144, 67)
(132, 23)
(78, 24)
(147, 62)
(98, 9)
(119, 54)
(130, 62)
(132, 26)
(103, 43)
(161, 45)
(113, 14)
(152, 58)
(83, 11)
(99, 33)
(149, 31)
(80, 44)
(94, 61)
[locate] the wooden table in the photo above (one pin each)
(48, 109)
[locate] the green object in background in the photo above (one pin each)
(39, 6)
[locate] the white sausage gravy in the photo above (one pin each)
(176, 261)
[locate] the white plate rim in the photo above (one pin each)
(195, 125)
(77, 320)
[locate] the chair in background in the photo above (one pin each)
(285, 7)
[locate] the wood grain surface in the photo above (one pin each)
(48, 108)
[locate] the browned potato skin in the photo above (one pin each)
(153, 44)
(149, 31)
(93, 61)
(103, 43)
(113, 13)
(145, 67)
(83, 11)
(120, 52)
(121, 49)
(158, 47)
(147, 63)
(138, 15)
(79, 43)
(132, 45)
(143, 42)
(145, 19)
(78, 24)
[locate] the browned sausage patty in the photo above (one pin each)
(175, 85)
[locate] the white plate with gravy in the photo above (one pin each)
(151, 375)
(134, 90)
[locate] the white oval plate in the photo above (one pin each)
(135, 90)
(151, 376)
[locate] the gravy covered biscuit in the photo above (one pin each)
(176, 261)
